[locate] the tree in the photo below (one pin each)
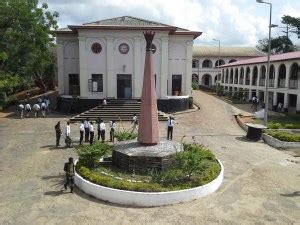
(292, 23)
(8, 83)
(279, 44)
(26, 38)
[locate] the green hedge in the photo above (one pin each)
(284, 136)
(125, 135)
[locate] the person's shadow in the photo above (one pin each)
(57, 181)
(294, 194)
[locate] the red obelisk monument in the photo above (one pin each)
(148, 122)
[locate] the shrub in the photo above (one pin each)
(195, 86)
(125, 135)
(191, 103)
(273, 125)
(88, 154)
(284, 136)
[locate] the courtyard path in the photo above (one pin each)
(260, 186)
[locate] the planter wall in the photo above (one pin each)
(147, 199)
(275, 143)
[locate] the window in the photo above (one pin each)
(207, 63)
(96, 83)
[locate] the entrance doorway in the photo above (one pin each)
(74, 88)
(176, 84)
(124, 86)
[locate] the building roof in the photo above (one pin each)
(264, 59)
(226, 51)
(128, 23)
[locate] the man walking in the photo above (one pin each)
(92, 132)
(69, 169)
(112, 130)
(44, 108)
(68, 135)
(81, 128)
(170, 124)
(21, 108)
(102, 130)
(36, 109)
(86, 129)
(27, 109)
(135, 122)
(58, 133)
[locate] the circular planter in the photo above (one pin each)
(147, 199)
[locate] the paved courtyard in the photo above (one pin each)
(261, 185)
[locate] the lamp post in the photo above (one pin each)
(218, 57)
(268, 67)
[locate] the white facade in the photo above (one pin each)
(249, 76)
(75, 56)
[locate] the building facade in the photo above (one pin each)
(207, 58)
(249, 76)
(105, 59)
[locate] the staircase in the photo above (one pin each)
(115, 110)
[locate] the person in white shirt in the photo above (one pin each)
(81, 128)
(21, 108)
(170, 124)
(92, 131)
(86, 129)
(36, 109)
(27, 109)
(113, 127)
(135, 122)
(68, 135)
(102, 130)
(104, 103)
(44, 108)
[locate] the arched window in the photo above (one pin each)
(219, 62)
(206, 80)
(271, 76)
(207, 63)
(195, 63)
(254, 76)
(281, 76)
(236, 75)
(232, 60)
(242, 75)
(247, 81)
(262, 78)
(294, 76)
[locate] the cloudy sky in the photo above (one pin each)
(234, 22)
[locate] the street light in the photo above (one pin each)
(218, 56)
(268, 67)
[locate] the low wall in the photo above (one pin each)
(147, 199)
(275, 143)
(173, 104)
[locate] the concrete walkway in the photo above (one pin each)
(260, 187)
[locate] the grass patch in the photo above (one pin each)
(193, 167)
(123, 135)
(285, 122)
(284, 136)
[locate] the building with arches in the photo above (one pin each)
(206, 59)
(105, 59)
(249, 76)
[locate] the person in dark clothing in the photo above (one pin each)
(69, 169)
(58, 133)
(86, 129)
(170, 124)
(112, 130)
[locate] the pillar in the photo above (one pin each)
(164, 67)
(137, 76)
(187, 84)
(111, 76)
(83, 76)
(298, 103)
(60, 67)
(286, 102)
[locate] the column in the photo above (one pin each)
(111, 81)
(250, 95)
(238, 74)
(298, 103)
(274, 100)
(286, 102)
(187, 90)
(83, 76)
(276, 76)
(60, 67)
(164, 73)
(137, 76)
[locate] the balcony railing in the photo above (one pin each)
(262, 82)
(293, 84)
(281, 83)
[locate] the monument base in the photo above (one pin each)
(131, 155)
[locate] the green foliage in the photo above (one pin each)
(292, 23)
(191, 102)
(88, 154)
(195, 86)
(26, 40)
(274, 125)
(8, 82)
(194, 159)
(123, 135)
(284, 136)
(286, 122)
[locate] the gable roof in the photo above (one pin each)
(264, 59)
(128, 23)
(226, 51)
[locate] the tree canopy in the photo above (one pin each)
(26, 38)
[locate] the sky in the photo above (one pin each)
(233, 22)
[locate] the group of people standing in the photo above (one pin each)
(42, 105)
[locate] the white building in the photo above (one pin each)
(206, 59)
(105, 59)
(249, 76)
